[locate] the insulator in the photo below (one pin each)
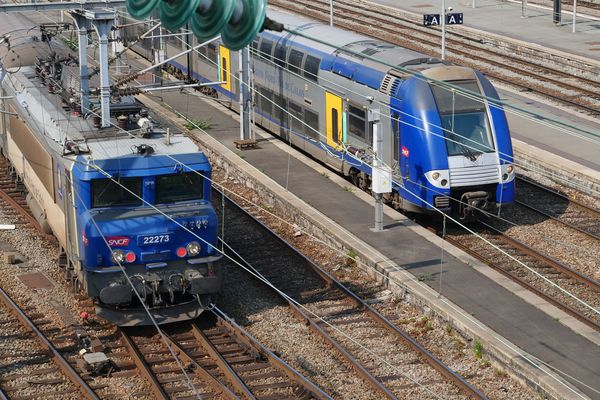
(238, 21)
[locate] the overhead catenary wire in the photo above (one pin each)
(548, 281)
(566, 292)
(393, 265)
(250, 271)
(460, 90)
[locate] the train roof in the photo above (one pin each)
(341, 40)
(45, 114)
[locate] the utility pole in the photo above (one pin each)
(574, 15)
(382, 174)
(556, 15)
(330, 12)
(443, 18)
(158, 53)
(523, 8)
(245, 105)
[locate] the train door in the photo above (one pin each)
(70, 211)
(225, 68)
(401, 152)
(333, 120)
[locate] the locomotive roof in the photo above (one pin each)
(341, 39)
(44, 113)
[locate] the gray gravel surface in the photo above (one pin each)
(264, 320)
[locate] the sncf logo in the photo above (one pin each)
(117, 241)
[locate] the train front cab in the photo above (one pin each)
(457, 150)
(170, 267)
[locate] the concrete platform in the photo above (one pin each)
(409, 255)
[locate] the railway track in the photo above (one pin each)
(221, 361)
(31, 367)
(328, 308)
(558, 207)
(526, 69)
(567, 278)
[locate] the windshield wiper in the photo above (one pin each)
(471, 155)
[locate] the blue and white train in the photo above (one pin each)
(113, 197)
(447, 150)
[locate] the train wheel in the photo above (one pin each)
(363, 182)
(354, 177)
(396, 201)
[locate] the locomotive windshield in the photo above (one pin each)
(108, 193)
(179, 187)
(464, 120)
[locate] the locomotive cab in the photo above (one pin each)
(152, 219)
(470, 165)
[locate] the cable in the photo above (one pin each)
(524, 265)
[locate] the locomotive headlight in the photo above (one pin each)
(508, 172)
(117, 256)
(193, 249)
(439, 179)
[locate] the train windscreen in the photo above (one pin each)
(120, 192)
(464, 119)
(179, 187)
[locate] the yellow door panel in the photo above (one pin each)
(333, 118)
(225, 68)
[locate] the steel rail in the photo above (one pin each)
(431, 359)
(142, 366)
(85, 390)
(359, 25)
(492, 264)
(236, 330)
(315, 328)
(220, 360)
(559, 194)
(583, 207)
(552, 217)
(566, 270)
(203, 373)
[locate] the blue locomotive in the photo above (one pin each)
(447, 150)
(134, 196)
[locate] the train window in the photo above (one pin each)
(265, 49)
(266, 98)
(311, 129)
(279, 56)
(334, 125)
(295, 61)
(179, 187)
(311, 67)
(464, 120)
(296, 117)
(202, 50)
(357, 122)
(280, 109)
(211, 52)
(108, 193)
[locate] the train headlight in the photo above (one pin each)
(117, 256)
(193, 249)
(508, 172)
(439, 179)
